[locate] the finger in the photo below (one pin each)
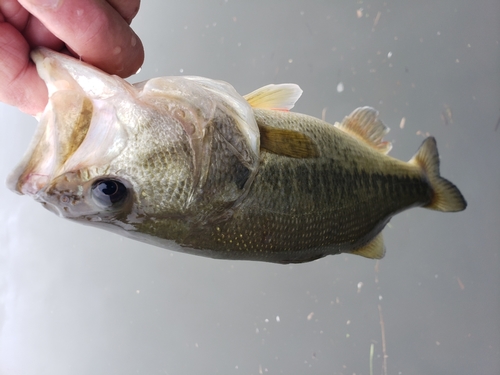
(20, 84)
(37, 35)
(127, 8)
(94, 30)
(13, 13)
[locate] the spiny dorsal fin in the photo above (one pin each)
(375, 249)
(280, 97)
(287, 142)
(364, 124)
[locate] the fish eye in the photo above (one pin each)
(108, 193)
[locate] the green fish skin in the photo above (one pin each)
(188, 164)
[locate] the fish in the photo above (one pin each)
(188, 164)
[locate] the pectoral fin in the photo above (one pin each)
(280, 97)
(375, 249)
(363, 123)
(287, 142)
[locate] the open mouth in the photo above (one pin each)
(78, 127)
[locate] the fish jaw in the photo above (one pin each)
(79, 127)
(62, 72)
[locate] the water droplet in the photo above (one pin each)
(360, 285)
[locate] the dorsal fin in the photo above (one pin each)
(364, 124)
(286, 142)
(280, 97)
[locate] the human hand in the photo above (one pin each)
(98, 31)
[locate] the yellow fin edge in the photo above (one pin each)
(363, 123)
(447, 197)
(280, 97)
(375, 249)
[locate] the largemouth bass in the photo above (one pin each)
(188, 164)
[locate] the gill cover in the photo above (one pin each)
(204, 106)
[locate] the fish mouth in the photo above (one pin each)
(78, 128)
(62, 129)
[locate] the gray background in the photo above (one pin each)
(78, 300)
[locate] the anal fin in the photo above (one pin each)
(375, 249)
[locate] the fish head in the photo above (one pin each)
(109, 152)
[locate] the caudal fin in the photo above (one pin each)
(447, 197)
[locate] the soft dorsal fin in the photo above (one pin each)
(286, 142)
(280, 97)
(364, 124)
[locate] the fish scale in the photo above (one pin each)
(303, 207)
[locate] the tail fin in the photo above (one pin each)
(447, 197)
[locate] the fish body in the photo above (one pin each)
(188, 164)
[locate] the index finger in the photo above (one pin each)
(94, 30)
(20, 85)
